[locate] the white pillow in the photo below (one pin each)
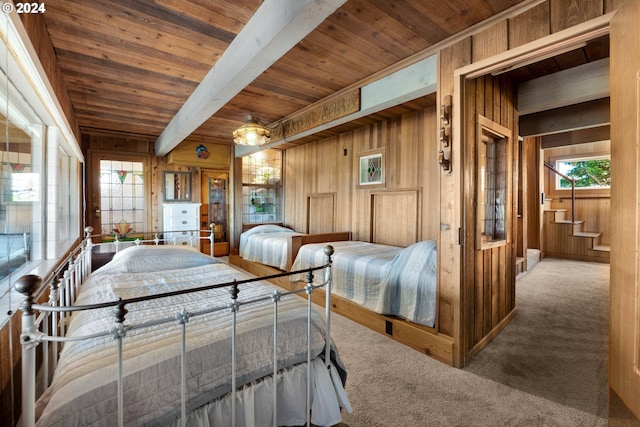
(149, 258)
(260, 229)
(266, 228)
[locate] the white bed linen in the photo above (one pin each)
(83, 391)
(254, 405)
(382, 278)
(267, 246)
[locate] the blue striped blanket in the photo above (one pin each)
(385, 279)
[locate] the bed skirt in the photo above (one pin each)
(254, 407)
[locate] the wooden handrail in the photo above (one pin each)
(573, 188)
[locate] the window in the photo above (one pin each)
(589, 173)
(122, 198)
(20, 183)
(40, 171)
(493, 161)
(262, 187)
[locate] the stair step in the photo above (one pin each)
(558, 214)
(603, 248)
(567, 221)
(587, 234)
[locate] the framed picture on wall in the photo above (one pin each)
(371, 169)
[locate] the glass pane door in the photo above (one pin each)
(122, 199)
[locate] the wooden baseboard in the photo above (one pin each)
(421, 338)
(492, 334)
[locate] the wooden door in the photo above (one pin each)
(215, 210)
(489, 242)
(624, 326)
(118, 195)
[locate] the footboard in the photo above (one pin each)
(45, 324)
(192, 237)
(298, 241)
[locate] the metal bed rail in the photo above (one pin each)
(172, 239)
(48, 327)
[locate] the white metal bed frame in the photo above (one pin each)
(50, 324)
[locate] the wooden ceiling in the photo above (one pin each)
(129, 66)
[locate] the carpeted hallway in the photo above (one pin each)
(547, 368)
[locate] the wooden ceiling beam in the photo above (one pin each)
(273, 30)
(581, 136)
(579, 116)
(578, 84)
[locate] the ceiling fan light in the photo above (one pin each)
(251, 133)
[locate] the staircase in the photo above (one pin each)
(566, 239)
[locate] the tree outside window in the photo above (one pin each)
(588, 173)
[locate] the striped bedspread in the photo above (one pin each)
(385, 279)
(84, 392)
(267, 244)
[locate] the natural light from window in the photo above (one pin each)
(589, 173)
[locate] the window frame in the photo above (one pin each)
(574, 158)
(487, 128)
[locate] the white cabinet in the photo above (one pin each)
(180, 222)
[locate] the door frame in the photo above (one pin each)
(528, 53)
(93, 185)
(624, 298)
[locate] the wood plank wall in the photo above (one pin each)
(37, 32)
(532, 203)
(331, 166)
(450, 313)
(10, 365)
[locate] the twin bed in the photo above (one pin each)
(277, 246)
(391, 289)
(163, 335)
(385, 279)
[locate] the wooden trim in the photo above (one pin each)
(318, 196)
(501, 133)
(539, 49)
(412, 227)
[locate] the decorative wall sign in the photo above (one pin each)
(321, 114)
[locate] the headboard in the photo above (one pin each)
(396, 217)
(321, 213)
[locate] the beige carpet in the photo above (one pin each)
(547, 368)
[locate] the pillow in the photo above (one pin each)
(149, 258)
(266, 228)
